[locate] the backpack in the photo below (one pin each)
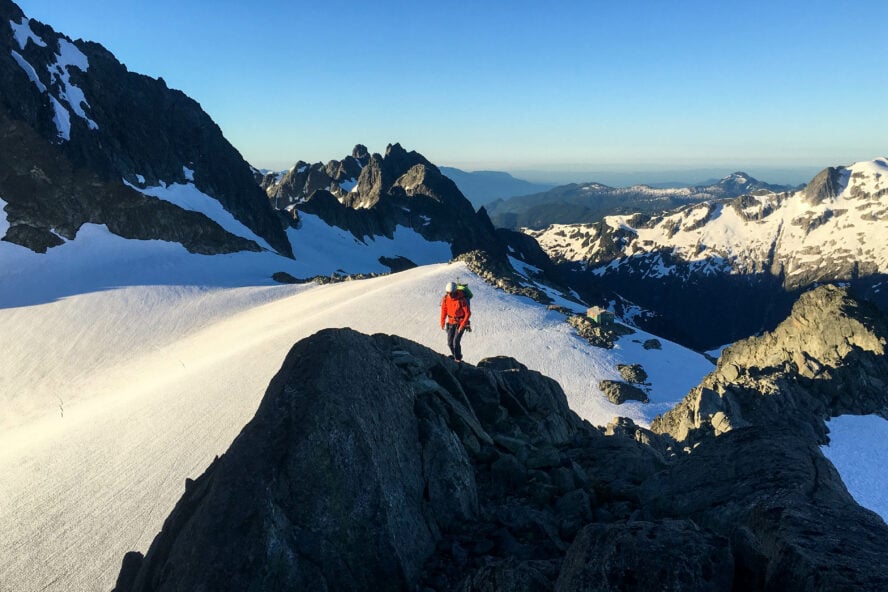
(464, 288)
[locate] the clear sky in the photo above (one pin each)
(517, 85)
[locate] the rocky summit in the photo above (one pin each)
(372, 195)
(374, 463)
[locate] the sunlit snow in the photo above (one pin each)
(135, 363)
(189, 197)
(786, 228)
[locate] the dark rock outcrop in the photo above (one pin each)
(825, 186)
(754, 471)
(375, 463)
(67, 158)
(619, 392)
(790, 520)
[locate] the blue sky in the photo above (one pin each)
(528, 87)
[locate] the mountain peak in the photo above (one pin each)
(107, 141)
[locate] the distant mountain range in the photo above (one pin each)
(738, 264)
(484, 187)
(589, 202)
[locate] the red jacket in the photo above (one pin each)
(455, 310)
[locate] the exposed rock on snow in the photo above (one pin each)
(620, 392)
(632, 373)
(598, 335)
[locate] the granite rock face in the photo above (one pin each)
(376, 463)
(826, 359)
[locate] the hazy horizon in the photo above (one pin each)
(616, 177)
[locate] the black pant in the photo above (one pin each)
(454, 336)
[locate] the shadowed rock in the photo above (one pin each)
(374, 463)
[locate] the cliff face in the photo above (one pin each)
(82, 135)
(375, 463)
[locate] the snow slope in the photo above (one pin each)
(128, 365)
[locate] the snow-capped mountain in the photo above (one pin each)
(589, 202)
(832, 230)
(86, 141)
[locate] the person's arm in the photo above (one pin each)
(443, 310)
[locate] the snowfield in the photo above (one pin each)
(127, 366)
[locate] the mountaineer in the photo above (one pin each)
(455, 315)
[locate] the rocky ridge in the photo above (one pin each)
(827, 359)
(83, 136)
(375, 463)
(372, 195)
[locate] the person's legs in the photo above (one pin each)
(452, 343)
(457, 347)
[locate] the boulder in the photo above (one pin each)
(345, 483)
(632, 373)
(620, 392)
